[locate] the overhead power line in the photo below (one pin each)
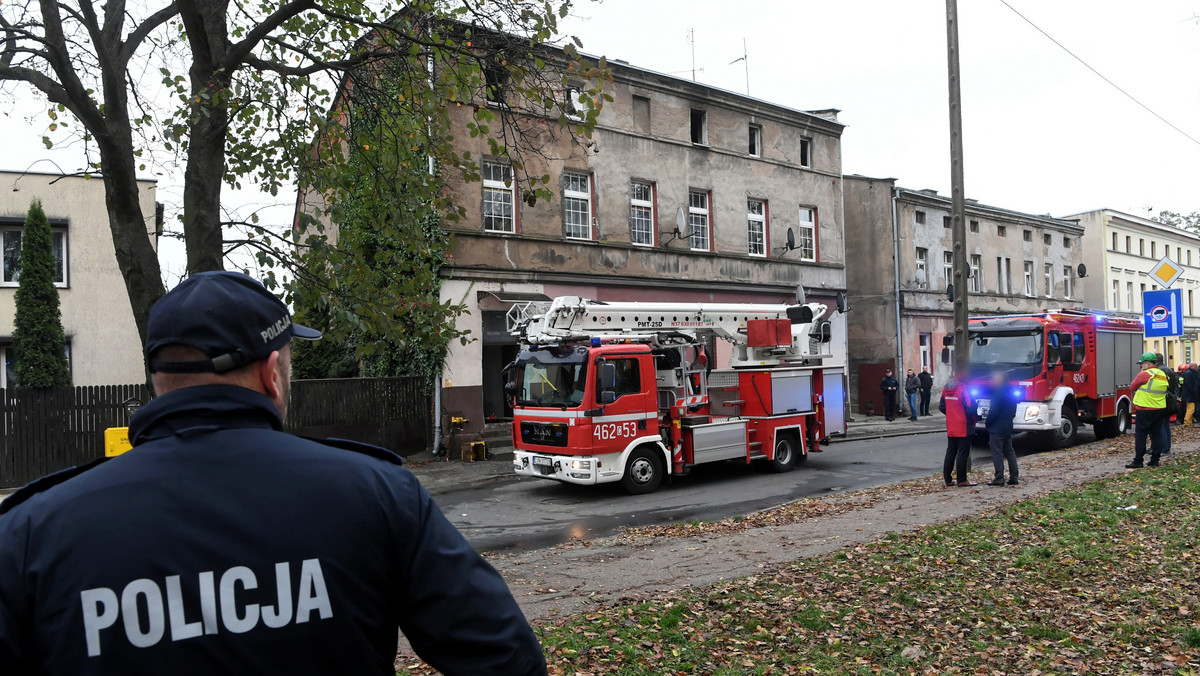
(1114, 85)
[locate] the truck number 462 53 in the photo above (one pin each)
(615, 430)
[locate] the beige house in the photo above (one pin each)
(102, 340)
(899, 244)
(1120, 250)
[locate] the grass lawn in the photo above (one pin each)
(1100, 580)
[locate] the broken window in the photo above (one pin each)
(699, 127)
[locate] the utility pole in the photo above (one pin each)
(962, 344)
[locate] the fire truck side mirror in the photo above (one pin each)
(509, 374)
(608, 382)
(945, 355)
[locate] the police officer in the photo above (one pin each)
(221, 544)
(889, 385)
(1150, 404)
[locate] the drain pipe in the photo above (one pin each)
(896, 270)
(437, 414)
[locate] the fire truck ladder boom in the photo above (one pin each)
(569, 318)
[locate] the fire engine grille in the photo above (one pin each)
(544, 434)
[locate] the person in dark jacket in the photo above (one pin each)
(957, 404)
(912, 388)
(1191, 392)
(222, 545)
(890, 386)
(1002, 408)
(926, 389)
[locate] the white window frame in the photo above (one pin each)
(806, 234)
(572, 196)
(755, 140)
(1129, 296)
(637, 205)
(499, 186)
(699, 220)
(56, 232)
(1068, 282)
(806, 153)
(571, 106)
(976, 273)
(756, 228)
(922, 269)
(1116, 294)
(948, 267)
(926, 340)
(1030, 289)
(1048, 278)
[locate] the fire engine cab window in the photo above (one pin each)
(1078, 348)
(627, 380)
(548, 380)
(1018, 353)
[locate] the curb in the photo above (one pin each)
(889, 435)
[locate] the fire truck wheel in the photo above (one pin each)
(1114, 426)
(1068, 429)
(786, 453)
(643, 472)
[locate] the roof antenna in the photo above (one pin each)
(745, 60)
(692, 42)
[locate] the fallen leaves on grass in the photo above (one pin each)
(1064, 583)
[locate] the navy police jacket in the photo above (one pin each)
(221, 544)
(1002, 409)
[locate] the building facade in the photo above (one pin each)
(102, 341)
(685, 193)
(1120, 250)
(900, 245)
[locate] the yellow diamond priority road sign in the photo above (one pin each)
(1166, 272)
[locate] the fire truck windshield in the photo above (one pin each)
(551, 377)
(1015, 352)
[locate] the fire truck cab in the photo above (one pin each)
(1070, 367)
(623, 392)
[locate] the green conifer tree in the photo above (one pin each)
(38, 338)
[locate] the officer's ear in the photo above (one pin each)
(272, 378)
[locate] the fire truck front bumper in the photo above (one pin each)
(1032, 416)
(566, 468)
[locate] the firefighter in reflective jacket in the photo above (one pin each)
(222, 545)
(1150, 404)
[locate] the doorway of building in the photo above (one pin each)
(495, 404)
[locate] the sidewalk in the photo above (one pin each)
(876, 427)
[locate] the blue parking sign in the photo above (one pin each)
(1162, 313)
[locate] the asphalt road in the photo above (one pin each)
(527, 513)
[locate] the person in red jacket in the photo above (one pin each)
(959, 408)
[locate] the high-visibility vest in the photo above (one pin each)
(1153, 394)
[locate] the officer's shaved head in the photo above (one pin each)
(257, 376)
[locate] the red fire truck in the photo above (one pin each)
(607, 392)
(1070, 367)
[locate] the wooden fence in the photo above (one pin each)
(46, 430)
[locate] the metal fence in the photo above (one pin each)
(46, 430)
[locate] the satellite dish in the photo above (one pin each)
(791, 239)
(800, 294)
(1082, 270)
(841, 302)
(680, 221)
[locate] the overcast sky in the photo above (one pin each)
(1042, 133)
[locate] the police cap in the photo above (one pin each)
(229, 316)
